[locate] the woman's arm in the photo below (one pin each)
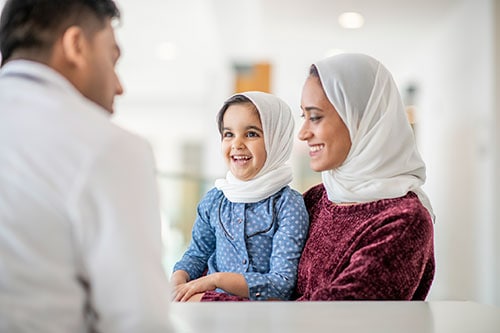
(391, 263)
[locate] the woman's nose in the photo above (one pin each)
(304, 132)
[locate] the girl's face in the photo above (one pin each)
(243, 145)
(326, 134)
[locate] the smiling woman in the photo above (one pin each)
(370, 212)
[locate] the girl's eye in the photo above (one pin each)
(227, 135)
(252, 134)
(315, 118)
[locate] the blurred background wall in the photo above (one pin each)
(181, 59)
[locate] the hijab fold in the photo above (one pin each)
(277, 125)
(383, 161)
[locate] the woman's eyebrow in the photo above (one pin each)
(311, 108)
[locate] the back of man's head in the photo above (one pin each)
(29, 28)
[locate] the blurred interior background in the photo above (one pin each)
(182, 59)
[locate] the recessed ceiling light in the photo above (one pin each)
(351, 20)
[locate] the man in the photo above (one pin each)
(80, 246)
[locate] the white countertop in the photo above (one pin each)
(345, 317)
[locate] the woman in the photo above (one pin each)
(371, 232)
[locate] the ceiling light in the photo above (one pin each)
(351, 20)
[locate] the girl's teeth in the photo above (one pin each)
(241, 157)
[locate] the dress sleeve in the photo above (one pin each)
(203, 241)
(288, 242)
(117, 229)
(389, 262)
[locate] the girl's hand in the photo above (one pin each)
(179, 277)
(196, 297)
(184, 292)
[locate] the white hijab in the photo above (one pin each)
(383, 161)
(277, 125)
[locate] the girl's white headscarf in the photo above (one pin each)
(277, 125)
(383, 161)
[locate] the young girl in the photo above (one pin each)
(252, 226)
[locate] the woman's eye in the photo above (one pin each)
(310, 117)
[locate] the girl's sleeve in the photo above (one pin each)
(288, 242)
(202, 246)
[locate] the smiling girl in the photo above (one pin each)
(251, 227)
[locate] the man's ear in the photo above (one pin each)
(75, 46)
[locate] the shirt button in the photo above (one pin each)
(244, 261)
(240, 220)
(257, 294)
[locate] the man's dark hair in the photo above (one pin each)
(35, 25)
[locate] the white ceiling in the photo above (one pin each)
(208, 35)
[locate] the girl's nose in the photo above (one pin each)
(237, 144)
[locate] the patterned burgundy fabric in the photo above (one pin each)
(380, 250)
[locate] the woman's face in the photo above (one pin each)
(243, 143)
(326, 134)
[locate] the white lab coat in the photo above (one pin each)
(79, 213)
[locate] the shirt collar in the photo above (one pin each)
(38, 72)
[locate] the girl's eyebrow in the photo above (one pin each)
(252, 127)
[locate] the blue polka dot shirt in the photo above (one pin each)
(262, 241)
